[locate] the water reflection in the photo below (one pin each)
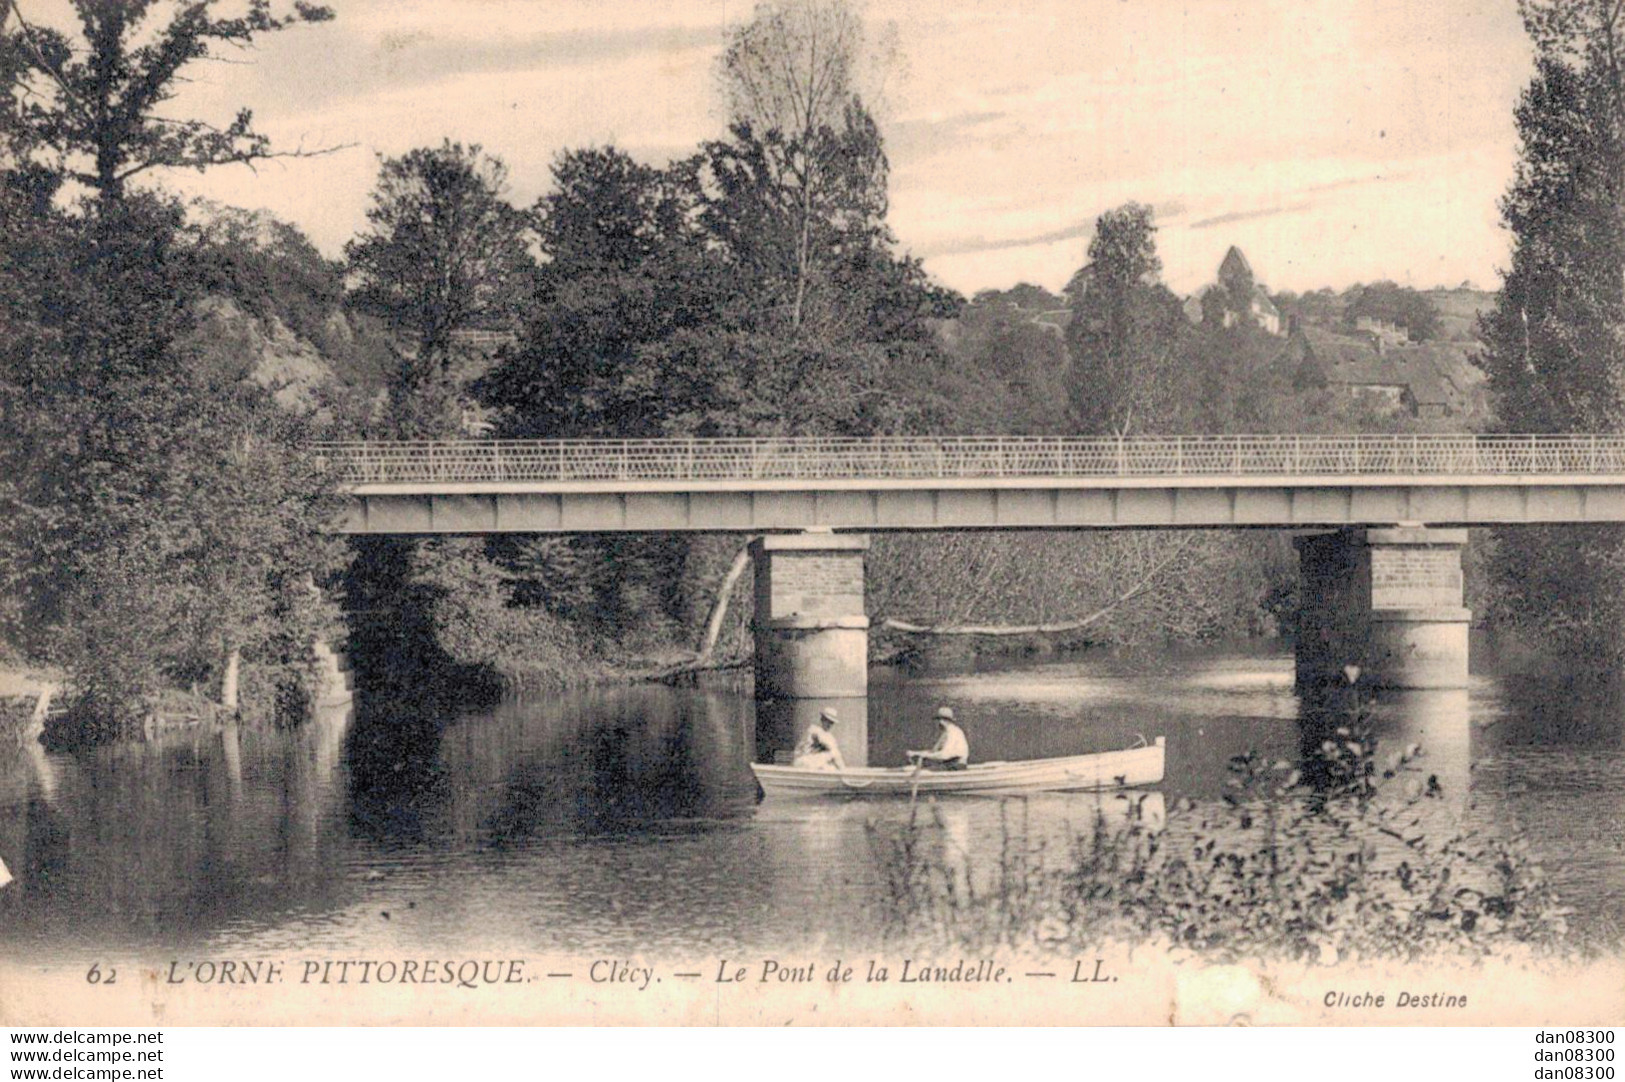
(395, 777)
(641, 760)
(142, 840)
(40, 767)
(627, 819)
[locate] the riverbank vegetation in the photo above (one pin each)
(160, 524)
(1357, 855)
(161, 532)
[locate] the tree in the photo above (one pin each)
(626, 269)
(1555, 340)
(1031, 298)
(786, 234)
(659, 310)
(802, 138)
(444, 252)
(817, 278)
(1583, 35)
(1125, 329)
(795, 203)
(144, 489)
(800, 227)
(1393, 303)
(753, 289)
(158, 515)
(1006, 372)
(92, 113)
(616, 342)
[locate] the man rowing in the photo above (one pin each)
(818, 749)
(952, 751)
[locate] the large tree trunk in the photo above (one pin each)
(719, 607)
(42, 706)
(701, 661)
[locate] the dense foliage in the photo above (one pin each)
(158, 518)
(1126, 330)
(1555, 342)
(752, 288)
(443, 253)
(1395, 304)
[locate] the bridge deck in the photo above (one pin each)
(978, 482)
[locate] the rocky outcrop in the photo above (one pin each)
(262, 349)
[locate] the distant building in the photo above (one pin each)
(1424, 380)
(1234, 297)
(1384, 333)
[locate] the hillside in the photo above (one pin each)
(1459, 310)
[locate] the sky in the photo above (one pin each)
(1333, 141)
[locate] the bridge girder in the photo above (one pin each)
(1133, 504)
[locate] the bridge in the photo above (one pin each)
(1379, 518)
(912, 483)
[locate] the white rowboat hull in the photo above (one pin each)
(1078, 773)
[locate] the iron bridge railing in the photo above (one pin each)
(889, 458)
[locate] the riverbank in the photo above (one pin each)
(21, 687)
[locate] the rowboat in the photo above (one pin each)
(1076, 773)
(1064, 817)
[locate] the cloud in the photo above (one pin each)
(920, 137)
(967, 245)
(1300, 205)
(1336, 142)
(1355, 182)
(363, 63)
(1249, 215)
(431, 55)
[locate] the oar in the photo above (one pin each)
(914, 781)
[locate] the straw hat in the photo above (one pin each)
(828, 714)
(945, 713)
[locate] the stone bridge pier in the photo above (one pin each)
(1388, 600)
(812, 639)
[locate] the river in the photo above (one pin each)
(624, 822)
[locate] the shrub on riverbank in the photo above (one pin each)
(442, 611)
(1354, 862)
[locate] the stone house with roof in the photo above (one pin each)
(1426, 380)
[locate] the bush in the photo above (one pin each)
(1341, 864)
(475, 624)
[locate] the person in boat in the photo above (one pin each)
(818, 749)
(952, 751)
